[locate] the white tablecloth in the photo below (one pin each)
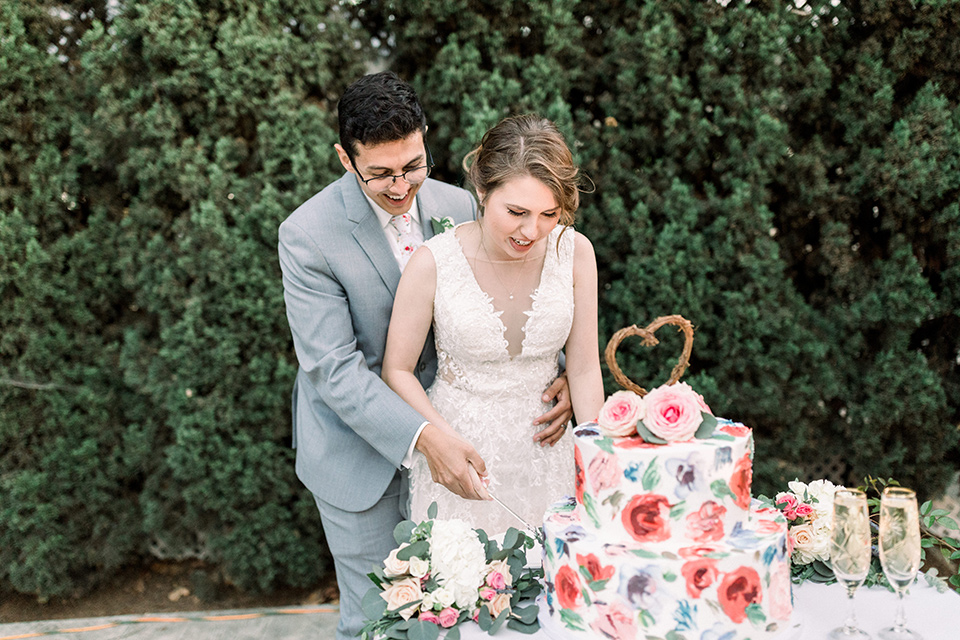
(819, 608)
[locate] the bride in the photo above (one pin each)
(504, 295)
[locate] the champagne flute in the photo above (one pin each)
(899, 551)
(850, 552)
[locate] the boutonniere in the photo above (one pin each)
(441, 224)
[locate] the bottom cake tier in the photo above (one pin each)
(737, 588)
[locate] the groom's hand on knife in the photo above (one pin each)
(453, 461)
(557, 418)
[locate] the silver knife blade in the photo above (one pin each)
(526, 525)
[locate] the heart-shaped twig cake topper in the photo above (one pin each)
(649, 341)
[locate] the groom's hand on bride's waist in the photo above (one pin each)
(557, 418)
(454, 462)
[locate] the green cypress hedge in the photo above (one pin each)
(145, 357)
(785, 176)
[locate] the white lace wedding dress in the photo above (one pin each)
(490, 397)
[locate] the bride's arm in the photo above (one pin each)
(448, 454)
(582, 350)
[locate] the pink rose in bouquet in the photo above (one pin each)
(495, 580)
(673, 412)
(429, 616)
(448, 617)
(620, 414)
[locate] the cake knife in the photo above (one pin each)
(530, 529)
(485, 483)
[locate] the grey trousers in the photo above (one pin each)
(359, 541)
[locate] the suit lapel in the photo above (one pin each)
(428, 210)
(369, 234)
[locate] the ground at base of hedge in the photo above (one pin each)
(161, 587)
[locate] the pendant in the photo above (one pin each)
(511, 296)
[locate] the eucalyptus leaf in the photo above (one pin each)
(510, 538)
(527, 613)
(528, 629)
(484, 619)
(420, 630)
(498, 622)
(403, 531)
(705, 430)
(420, 549)
(432, 511)
(647, 435)
(372, 604)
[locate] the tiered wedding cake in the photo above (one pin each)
(661, 540)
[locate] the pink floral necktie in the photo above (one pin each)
(407, 242)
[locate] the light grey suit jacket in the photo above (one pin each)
(350, 430)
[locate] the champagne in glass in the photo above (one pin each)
(899, 551)
(850, 552)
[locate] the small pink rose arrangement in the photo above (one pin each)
(444, 573)
(669, 413)
(808, 509)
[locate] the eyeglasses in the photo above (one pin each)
(410, 176)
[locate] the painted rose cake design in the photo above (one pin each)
(661, 539)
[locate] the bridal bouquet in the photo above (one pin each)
(444, 573)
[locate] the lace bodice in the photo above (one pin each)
(491, 397)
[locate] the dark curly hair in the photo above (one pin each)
(378, 108)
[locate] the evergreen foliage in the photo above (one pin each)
(785, 175)
(146, 360)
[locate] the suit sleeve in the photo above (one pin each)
(323, 335)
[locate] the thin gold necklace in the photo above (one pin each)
(493, 267)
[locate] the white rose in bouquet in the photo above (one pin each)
(394, 568)
(418, 567)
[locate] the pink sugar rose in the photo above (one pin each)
(486, 593)
(448, 617)
(703, 404)
(620, 414)
(604, 471)
(672, 412)
(429, 616)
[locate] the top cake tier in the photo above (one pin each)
(694, 491)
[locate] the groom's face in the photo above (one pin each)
(387, 159)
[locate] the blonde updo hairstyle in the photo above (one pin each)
(526, 145)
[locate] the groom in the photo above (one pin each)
(341, 254)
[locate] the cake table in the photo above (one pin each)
(820, 608)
